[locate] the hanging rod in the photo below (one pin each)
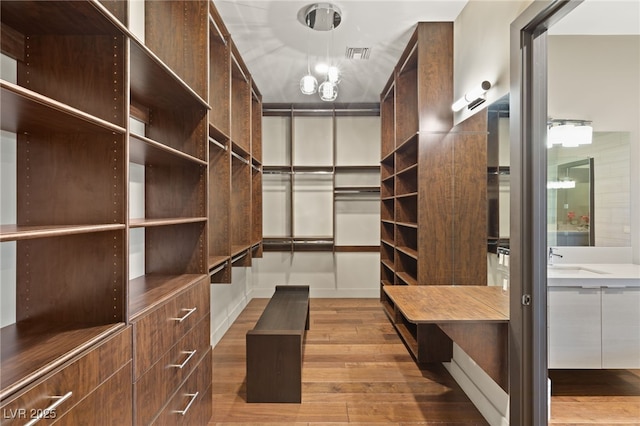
(276, 172)
(356, 191)
(318, 241)
(219, 144)
(238, 257)
(312, 172)
(254, 167)
(218, 269)
(244, 160)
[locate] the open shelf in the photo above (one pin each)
(173, 114)
(387, 117)
(24, 110)
(240, 106)
(143, 150)
(17, 233)
(183, 55)
(219, 80)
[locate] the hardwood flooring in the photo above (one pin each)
(357, 371)
(588, 397)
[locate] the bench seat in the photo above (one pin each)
(275, 347)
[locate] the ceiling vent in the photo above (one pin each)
(357, 53)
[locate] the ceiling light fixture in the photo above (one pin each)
(473, 97)
(321, 17)
(569, 133)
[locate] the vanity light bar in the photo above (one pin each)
(472, 98)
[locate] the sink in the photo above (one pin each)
(573, 270)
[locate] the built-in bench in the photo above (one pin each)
(275, 347)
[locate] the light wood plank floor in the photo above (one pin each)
(357, 371)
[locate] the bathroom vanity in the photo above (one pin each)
(593, 316)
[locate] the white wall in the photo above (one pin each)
(228, 301)
(481, 35)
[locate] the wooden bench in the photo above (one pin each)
(274, 347)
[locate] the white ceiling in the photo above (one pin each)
(273, 43)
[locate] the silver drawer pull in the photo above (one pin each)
(181, 366)
(47, 411)
(191, 401)
(184, 317)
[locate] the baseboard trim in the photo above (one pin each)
(478, 396)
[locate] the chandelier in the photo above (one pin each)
(321, 17)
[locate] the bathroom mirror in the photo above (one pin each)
(592, 76)
(574, 204)
(591, 203)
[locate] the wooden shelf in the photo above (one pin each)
(407, 225)
(26, 111)
(388, 263)
(17, 233)
(31, 349)
(407, 278)
(143, 150)
(215, 261)
(148, 223)
(408, 251)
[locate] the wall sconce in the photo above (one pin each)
(472, 98)
(569, 133)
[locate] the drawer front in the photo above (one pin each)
(108, 405)
(156, 332)
(192, 404)
(70, 384)
(155, 387)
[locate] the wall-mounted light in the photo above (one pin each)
(473, 97)
(561, 184)
(569, 133)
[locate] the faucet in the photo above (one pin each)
(551, 254)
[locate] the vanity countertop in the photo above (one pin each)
(594, 275)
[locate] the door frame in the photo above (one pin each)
(528, 235)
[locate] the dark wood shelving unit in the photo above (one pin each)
(143, 101)
(432, 195)
(70, 227)
(235, 157)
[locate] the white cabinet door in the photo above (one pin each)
(621, 327)
(574, 317)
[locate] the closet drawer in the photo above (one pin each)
(159, 330)
(192, 404)
(108, 405)
(155, 387)
(73, 382)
